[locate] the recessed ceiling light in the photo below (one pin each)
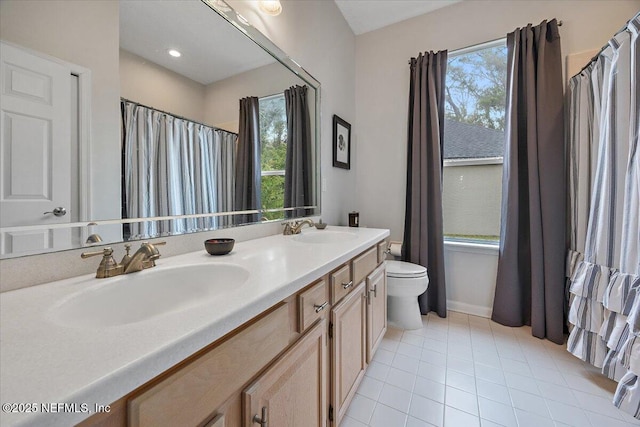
(270, 7)
(174, 53)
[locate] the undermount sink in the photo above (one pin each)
(140, 296)
(325, 237)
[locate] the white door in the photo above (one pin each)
(35, 150)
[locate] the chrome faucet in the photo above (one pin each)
(145, 257)
(294, 227)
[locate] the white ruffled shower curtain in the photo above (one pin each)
(603, 263)
(173, 166)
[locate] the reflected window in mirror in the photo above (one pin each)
(273, 143)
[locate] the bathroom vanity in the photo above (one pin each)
(284, 338)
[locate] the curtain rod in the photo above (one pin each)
(487, 42)
(597, 55)
(176, 116)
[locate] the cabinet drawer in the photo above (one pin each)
(364, 265)
(382, 247)
(312, 304)
(193, 392)
(341, 283)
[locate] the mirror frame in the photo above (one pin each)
(241, 24)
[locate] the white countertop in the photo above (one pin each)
(44, 361)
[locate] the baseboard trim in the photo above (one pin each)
(475, 310)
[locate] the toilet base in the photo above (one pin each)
(404, 312)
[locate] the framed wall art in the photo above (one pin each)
(341, 143)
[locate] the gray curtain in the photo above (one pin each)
(171, 167)
(530, 281)
(297, 177)
(247, 172)
(423, 241)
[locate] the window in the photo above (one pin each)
(273, 141)
(474, 138)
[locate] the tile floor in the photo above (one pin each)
(466, 371)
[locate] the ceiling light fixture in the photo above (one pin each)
(175, 53)
(270, 7)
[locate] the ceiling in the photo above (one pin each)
(368, 15)
(211, 48)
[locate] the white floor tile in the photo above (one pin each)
(461, 381)
(435, 345)
(406, 363)
(415, 422)
(522, 383)
(490, 374)
(496, 392)
(430, 389)
(530, 403)
(433, 372)
(456, 418)
(558, 393)
(395, 398)
(370, 387)
(434, 357)
(350, 422)
(401, 379)
(598, 420)
(384, 416)
(384, 356)
(497, 412)
(427, 410)
(567, 414)
(409, 350)
(377, 370)
(361, 408)
(466, 371)
(528, 419)
(460, 365)
(467, 402)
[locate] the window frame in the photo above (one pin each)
(446, 163)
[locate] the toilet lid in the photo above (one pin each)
(405, 269)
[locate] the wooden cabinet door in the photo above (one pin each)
(292, 391)
(348, 350)
(376, 309)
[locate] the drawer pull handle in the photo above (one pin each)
(375, 291)
(262, 421)
(347, 285)
(321, 307)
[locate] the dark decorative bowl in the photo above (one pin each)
(219, 246)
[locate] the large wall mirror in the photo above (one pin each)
(134, 119)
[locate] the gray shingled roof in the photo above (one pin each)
(467, 141)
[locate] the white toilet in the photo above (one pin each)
(405, 282)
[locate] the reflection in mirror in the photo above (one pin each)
(100, 119)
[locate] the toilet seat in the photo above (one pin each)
(402, 270)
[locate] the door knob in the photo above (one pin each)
(59, 211)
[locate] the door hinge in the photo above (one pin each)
(331, 413)
(330, 329)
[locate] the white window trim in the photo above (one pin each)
(272, 173)
(473, 162)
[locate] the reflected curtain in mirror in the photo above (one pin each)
(297, 177)
(173, 166)
(247, 171)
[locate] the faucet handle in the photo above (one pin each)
(105, 252)
(108, 266)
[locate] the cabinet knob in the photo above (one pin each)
(321, 307)
(347, 285)
(262, 420)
